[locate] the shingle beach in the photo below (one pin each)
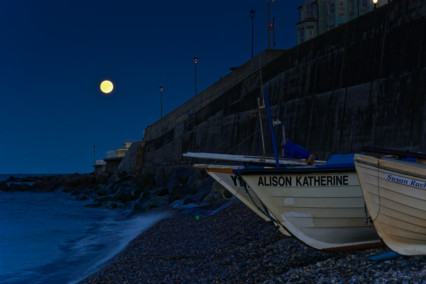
(236, 246)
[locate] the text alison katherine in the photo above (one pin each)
(289, 181)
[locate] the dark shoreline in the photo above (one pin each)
(236, 246)
(233, 245)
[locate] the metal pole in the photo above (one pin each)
(269, 44)
(273, 32)
(252, 33)
(161, 100)
(274, 143)
(195, 65)
(259, 110)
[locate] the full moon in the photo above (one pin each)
(106, 86)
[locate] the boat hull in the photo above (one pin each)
(226, 177)
(395, 194)
(323, 208)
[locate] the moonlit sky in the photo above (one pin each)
(55, 53)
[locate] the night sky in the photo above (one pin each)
(54, 55)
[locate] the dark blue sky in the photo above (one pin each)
(54, 54)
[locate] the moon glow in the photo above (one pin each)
(106, 86)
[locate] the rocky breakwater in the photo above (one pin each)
(48, 183)
(185, 188)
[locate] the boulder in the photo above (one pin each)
(161, 191)
(216, 193)
(65, 179)
(3, 186)
(179, 176)
(102, 191)
(195, 178)
(180, 191)
(102, 178)
(81, 196)
(126, 194)
(87, 180)
(11, 178)
(151, 203)
(19, 187)
(42, 186)
(206, 185)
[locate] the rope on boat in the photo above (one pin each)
(244, 184)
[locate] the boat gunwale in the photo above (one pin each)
(399, 153)
(295, 171)
(376, 165)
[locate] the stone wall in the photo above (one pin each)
(360, 84)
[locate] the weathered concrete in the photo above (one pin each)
(132, 162)
(363, 83)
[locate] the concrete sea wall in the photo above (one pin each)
(361, 84)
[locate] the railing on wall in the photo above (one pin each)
(100, 162)
(117, 153)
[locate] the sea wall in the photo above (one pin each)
(361, 84)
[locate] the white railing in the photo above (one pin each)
(100, 162)
(117, 153)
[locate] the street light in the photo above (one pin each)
(252, 12)
(270, 27)
(161, 100)
(375, 3)
(195, 65)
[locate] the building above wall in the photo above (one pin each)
(319, 16)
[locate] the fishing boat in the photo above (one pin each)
(394, 187)
(224, 175)
(320, 205)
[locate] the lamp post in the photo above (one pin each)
(161, 100)
(273, 32)
(375, 3)
(252, 12)
(269, 28)
(195, 65)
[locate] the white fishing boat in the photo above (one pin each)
(395, 194)
(322, 206)
(224, 175)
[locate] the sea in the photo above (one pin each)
(53, 238)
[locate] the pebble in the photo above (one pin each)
(236, 246)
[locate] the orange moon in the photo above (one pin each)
(106, 86)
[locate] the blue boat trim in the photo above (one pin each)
(323, 169)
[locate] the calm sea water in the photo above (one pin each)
(52, 238)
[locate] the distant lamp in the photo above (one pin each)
(161, 101)
(195, 65)
(375, 3)
(252, 13)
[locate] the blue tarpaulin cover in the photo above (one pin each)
(294, 151)
(341, 159)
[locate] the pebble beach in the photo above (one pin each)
(236, 246)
